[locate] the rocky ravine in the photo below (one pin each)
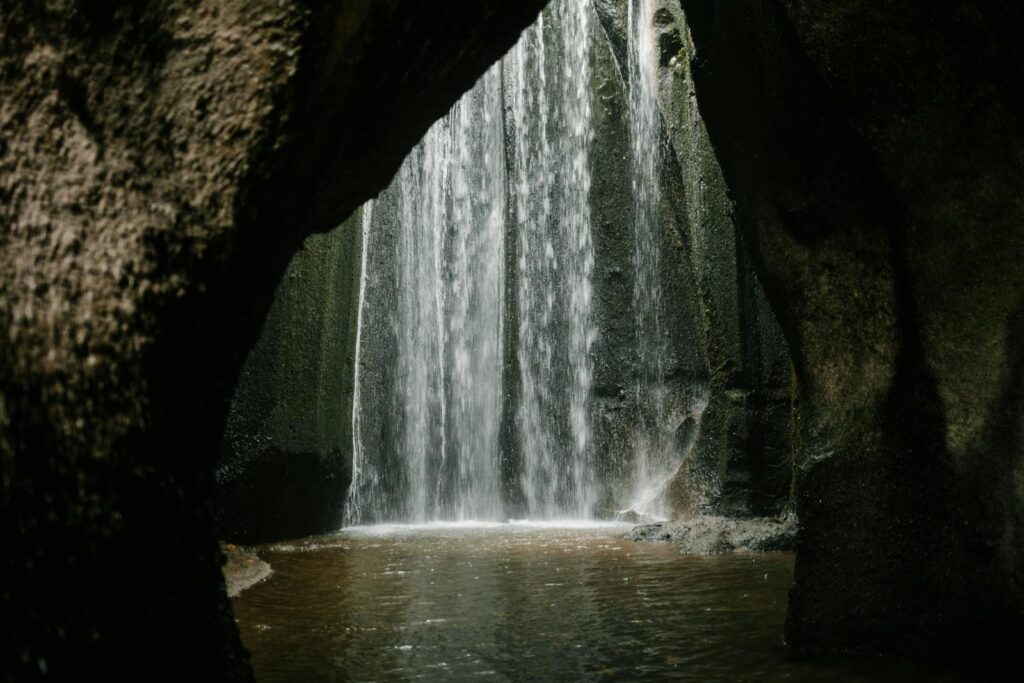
(161, 161)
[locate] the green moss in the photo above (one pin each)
(288, 436)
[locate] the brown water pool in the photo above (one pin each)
(520, 602)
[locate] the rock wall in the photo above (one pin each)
(159, 164)
(874, 151)
(617, 417)
(287, 451)
(740, 463)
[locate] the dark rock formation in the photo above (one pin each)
(740, 463)
(713, 535)
(874, 151)
(159, 164)
(616, 364)
(286, 456)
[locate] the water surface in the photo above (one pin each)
(520, 602)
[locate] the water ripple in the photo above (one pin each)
(513, 602)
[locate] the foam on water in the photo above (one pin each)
(511, 526)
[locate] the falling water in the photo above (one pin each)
(475, 305)
(575, 158)
(450, 281)
(458, 199)
(536, 267)
(361, 470)
(654, 462)
(419, 385)
(550, 99)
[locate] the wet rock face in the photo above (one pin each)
(159, 164)
(286, 456)
(874, 152)
(740, 451)
(617, 416)
(715, 535)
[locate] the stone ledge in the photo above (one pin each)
(243, 569)
(713, 535)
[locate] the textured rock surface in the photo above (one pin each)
(159, 164)
(287, 451)
(740, 464)
(616, 417)
(713, 535)
(243, 569)
(876, 156)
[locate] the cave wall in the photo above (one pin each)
(874, 151)
(286, 456)
(161, 161)
(159, 164)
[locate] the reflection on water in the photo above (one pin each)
(518, 602)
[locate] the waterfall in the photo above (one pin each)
(536, 268)
(654, 455)
(475, 302)
(508, 169)
(362, 468)
(449, 261)
(549, 99)
(575, 158)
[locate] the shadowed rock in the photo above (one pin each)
(243, 569)
(740, 452)
(159, 164)
(876, 155)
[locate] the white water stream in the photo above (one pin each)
(507, 168)
(655, 455)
